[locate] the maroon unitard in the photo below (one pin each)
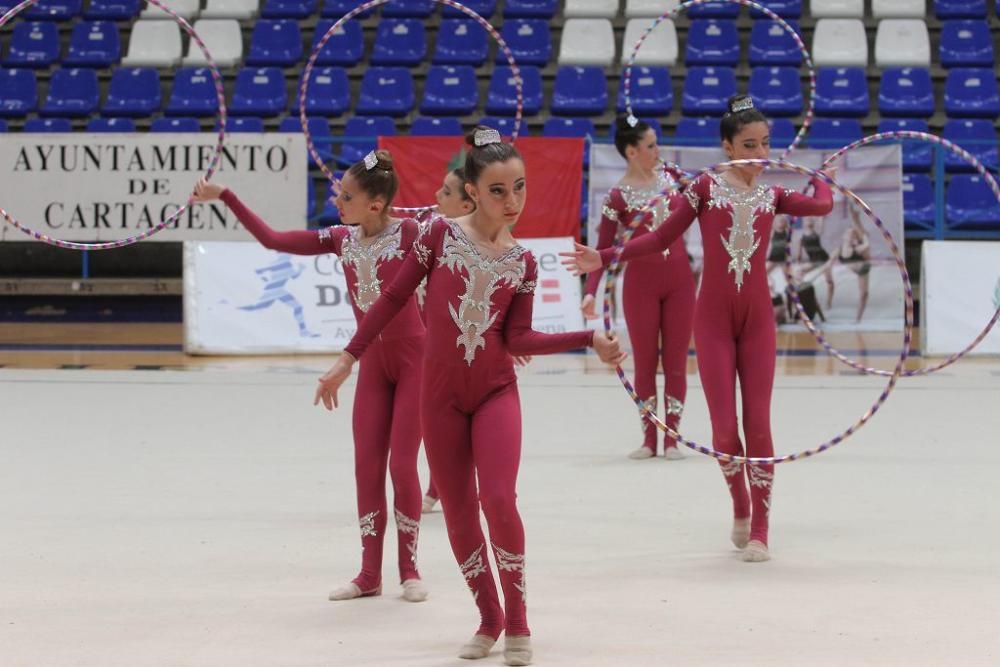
(658, 294)
(734, 327)
(478, 312)
(385, 433)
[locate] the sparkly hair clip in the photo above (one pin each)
(371, 161)
(632, 120)
(487, 137)
(742, 104)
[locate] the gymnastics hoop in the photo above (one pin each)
(817, 332)
(213, 165)
(648, 413)
(807, 121)
(304, 87)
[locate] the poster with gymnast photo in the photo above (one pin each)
(849, 280)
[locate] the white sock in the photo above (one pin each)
(352, 591)
(517, 650)
(414, 590)
(429, 503)
(673, 453)
(741, 533)
(642, 453)
(756, 552)
(477, 648)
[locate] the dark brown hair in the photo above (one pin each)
(733, 121)
(479, 157)
(459, 173)
(380, 181)
(627, 135)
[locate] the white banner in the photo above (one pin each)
(960, 291)
(857, 287)
(240, 298)
(103, 187)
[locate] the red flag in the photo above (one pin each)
(554, 169)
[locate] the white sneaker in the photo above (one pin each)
(414, 590)
(673, 453)
(642, 453)
(756, 552)
(429, 504)
(476, 648)
(517, 651)
(352, 591)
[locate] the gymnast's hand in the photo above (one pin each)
(589, 307)
(582, 259)
(331, 381)
(607, 348)
(205, 191)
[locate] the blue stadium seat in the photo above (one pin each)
(193, 93)
(572, 128)
(771, 44)
(503, 125)
(423, 126)
(707, 91)
(918, 201)
(259, 92)
(977, 136)
(917, 155)
(328, 94)
(970, 204)
(420, 9)
(529, 41)
(334, 9)
(966, 44)
(72, 93)
(346, 47)
(111, 125)
(53, 10)
(244, 124)
(33, 44)
(502, 96)
(580, 91)
(833, 132)
(484, 8)
(319, 130)
(288, 9)
(460, 42)
(783, 133)
(361, 126)
(906, 91)
(714, 10)
(697, 132)
(112, 10)
(399, 42)
(786, 9)
(569, 127)
(3, 126)
(18, 92)
(171, 125)
(328, 215)
(842, 91)
(651, 92)
(48, 125)
(386, 91)
(777, 91)
(712, 42)
(93, 44)
(276, 43)
(542, 9)
(960, 9)
(971, 92)
(133, 91)
(450, 91)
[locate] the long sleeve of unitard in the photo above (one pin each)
(607, 229)
(520, 338)
(297, 242)
(415, 267)
(697, 195)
